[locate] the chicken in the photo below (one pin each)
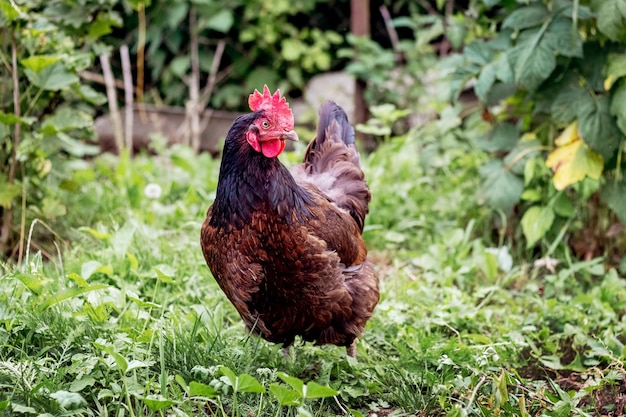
(286, 246)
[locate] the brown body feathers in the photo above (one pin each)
(286, 246)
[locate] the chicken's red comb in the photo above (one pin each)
(267, 101)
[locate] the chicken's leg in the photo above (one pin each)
(351, 350)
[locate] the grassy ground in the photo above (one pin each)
(127, 320)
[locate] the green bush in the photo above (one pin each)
(548, 66)
(47, 117)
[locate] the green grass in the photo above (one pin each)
(127, 320)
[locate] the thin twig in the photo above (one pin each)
(30, 236)
(341, 407)
(97, 78)
(475, 392)
(5, 232)
(193, 107)
(207, 92)
(112, 97)
(429, 9)
(20, 252)
(141, 46)
(128, 97)
(393, 34)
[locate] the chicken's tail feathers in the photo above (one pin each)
(333, 164)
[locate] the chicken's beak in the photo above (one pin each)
(291, 135)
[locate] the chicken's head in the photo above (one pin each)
(268, 132)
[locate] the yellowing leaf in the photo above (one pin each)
(572, 163)
(608, 82)
(569, 135)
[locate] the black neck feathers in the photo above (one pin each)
(250, 182)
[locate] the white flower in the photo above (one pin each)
(548, 263)
(505, 260)
(152, 191)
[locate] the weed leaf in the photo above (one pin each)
(285, 396)
(198, 389)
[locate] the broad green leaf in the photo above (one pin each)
(136, 364)
(221, 21)
(572, 163)
(32, 282)
(503, 69)
(535, 223)
(8, 192)
(121, 361)
(164, 277)
(615, 69)
(295, 383)
(67, 294)
(247, 383)
(285, 396)
(291, 49)
(563, 38)
(485, 81)
(140, 303)
(614, 195)
(456, 32)
(571, 100)
(531, 195)
(612, 19)
(103, 24)
(90, 268)
(38, 62)
(566, 8)
(618, 107)
(592, 65)
(229, 375)
(69, 400)
(526, 17)
(53, 77)
(22, 409)
(157, 402)
(501, 188)
(134, 263)
(66, 119)
(180, 65)
(80, 281)
(533, 65)
(598, 128)
(198, 389)
(563, 206)
(9, 9)
(92, 96)
(478, 52)
(315, 390)
(523, 151)
(176, 13)
(51, 208)
(552, 362)
(80, 384)
(123, 238)
(11, 119)
(95, 233)
(502, 137)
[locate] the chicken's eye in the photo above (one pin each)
(265, 124)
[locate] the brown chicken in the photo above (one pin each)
(285, 245)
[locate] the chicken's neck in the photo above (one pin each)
(249, 182)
